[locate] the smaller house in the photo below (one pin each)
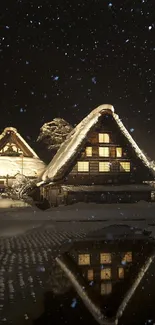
(99, 161)
(17, 157)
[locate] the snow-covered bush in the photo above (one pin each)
(21, 187)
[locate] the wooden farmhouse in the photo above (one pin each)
(98, 162)
(17, 157)
(107, 273)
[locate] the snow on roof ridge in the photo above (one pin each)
(77, 135)
(10, 128)
(27, 145)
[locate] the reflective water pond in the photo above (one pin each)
(106, 278)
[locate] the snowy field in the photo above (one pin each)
(11, 209)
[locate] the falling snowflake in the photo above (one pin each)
(74, 303)
(93, 79)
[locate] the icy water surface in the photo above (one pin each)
(47, 278)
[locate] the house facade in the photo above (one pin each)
(17, 157)
(99, 161)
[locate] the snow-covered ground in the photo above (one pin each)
(77, 212)
(17, 218)
(9, 203)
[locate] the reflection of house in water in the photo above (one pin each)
(107, 272)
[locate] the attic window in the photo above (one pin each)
(124, 166)
(104, 138)
(88, 151)
(103, 151)
(118, 152)
(84, 259)
(106, 288)
(83, 166)
(104, 166)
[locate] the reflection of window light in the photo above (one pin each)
(124, 166)
(106, 288)
(127, 257)
(84, 259)
(90, 275)
(118, 152)
(105, 258)
(104, 166)
(106, 274)
(83, 166)
(104, 138)
(88, 151)
(121, 273)
(103, 151)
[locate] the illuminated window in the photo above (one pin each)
(127, 257)
(104, 138)
(124, 166)
(88, 151)
(103, 151)
(104, 166)
(106, 288)
(90, 275)
(105, 258)
(106, 274)
(84, 259)
(83, 166)
(121, 273)
(118, 152)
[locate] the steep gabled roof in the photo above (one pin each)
(5, 136)
(68, 150)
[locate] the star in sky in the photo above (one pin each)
(54, 55)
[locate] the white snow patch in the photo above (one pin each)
(9, 203)
(30, 167)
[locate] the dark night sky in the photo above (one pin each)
(62, 58)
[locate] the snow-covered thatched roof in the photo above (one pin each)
(19, 137)
(28, 164)
(69, 148)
